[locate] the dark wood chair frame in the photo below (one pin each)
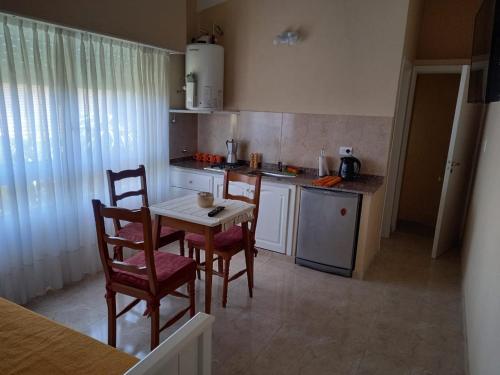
(223, 257)
(151, 296)
(140, 172)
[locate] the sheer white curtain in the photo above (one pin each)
(71, 106)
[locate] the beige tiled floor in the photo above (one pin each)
(405, 318)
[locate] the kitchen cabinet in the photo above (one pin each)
(279, 207)
(191, 180)
(176, 192)
(235, 188)
(276, 217)
(276, 213)
(275, 225)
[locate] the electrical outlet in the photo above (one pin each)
(345, 151)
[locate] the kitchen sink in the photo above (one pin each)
(273, 174)
(278, 174)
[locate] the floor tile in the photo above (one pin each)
(404, 318)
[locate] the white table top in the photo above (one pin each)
(186, 208)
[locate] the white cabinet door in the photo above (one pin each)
(235, 188)
(218, 187)
(273, 221)
(276, 213)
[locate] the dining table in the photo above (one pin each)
(185, 214)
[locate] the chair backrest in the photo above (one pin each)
(142, 216)
(254, 182)
(113, 177)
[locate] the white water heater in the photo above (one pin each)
(204, 76)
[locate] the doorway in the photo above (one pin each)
(430, 126)
(431, 164)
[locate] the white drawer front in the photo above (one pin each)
(191, 180)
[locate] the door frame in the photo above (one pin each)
(399, 143)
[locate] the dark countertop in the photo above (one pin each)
(364, 184)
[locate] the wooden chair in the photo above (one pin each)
(133, 231)
(230, 242)
(149, 275)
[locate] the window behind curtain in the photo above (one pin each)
(71, 106)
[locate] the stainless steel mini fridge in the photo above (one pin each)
(328, 230)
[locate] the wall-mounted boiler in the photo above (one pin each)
(204, 76)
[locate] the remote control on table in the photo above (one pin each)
(215, 211)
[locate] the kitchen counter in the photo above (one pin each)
(370, 221)
(364, 184)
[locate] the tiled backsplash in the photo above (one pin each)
(298, 138)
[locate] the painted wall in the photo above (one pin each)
(158, 22)
(347, 63)
(414, 22)
(481, 255)
(447, 29)
(428, 142)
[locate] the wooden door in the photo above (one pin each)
(459, 165)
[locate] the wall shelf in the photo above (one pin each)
(204, 111)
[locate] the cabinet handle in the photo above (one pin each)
(190, 182)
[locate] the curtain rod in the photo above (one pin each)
(74, 29)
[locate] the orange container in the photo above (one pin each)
(206, 157)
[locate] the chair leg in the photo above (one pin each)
(111, 302)
(249, 265)
(252, 261)
(118, 253)
(181, 246)
(154, 311)
(226, 281)
(192, 302)
(190, 251)
(252, 245)
(198, 261)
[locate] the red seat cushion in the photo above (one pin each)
(223, 240)
(134, 232)
(171, 271)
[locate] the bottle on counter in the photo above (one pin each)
(322, 165)
(255, 160)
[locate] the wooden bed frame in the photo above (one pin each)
(187, 352)
(31, 343)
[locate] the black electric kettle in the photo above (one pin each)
(349, 168)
